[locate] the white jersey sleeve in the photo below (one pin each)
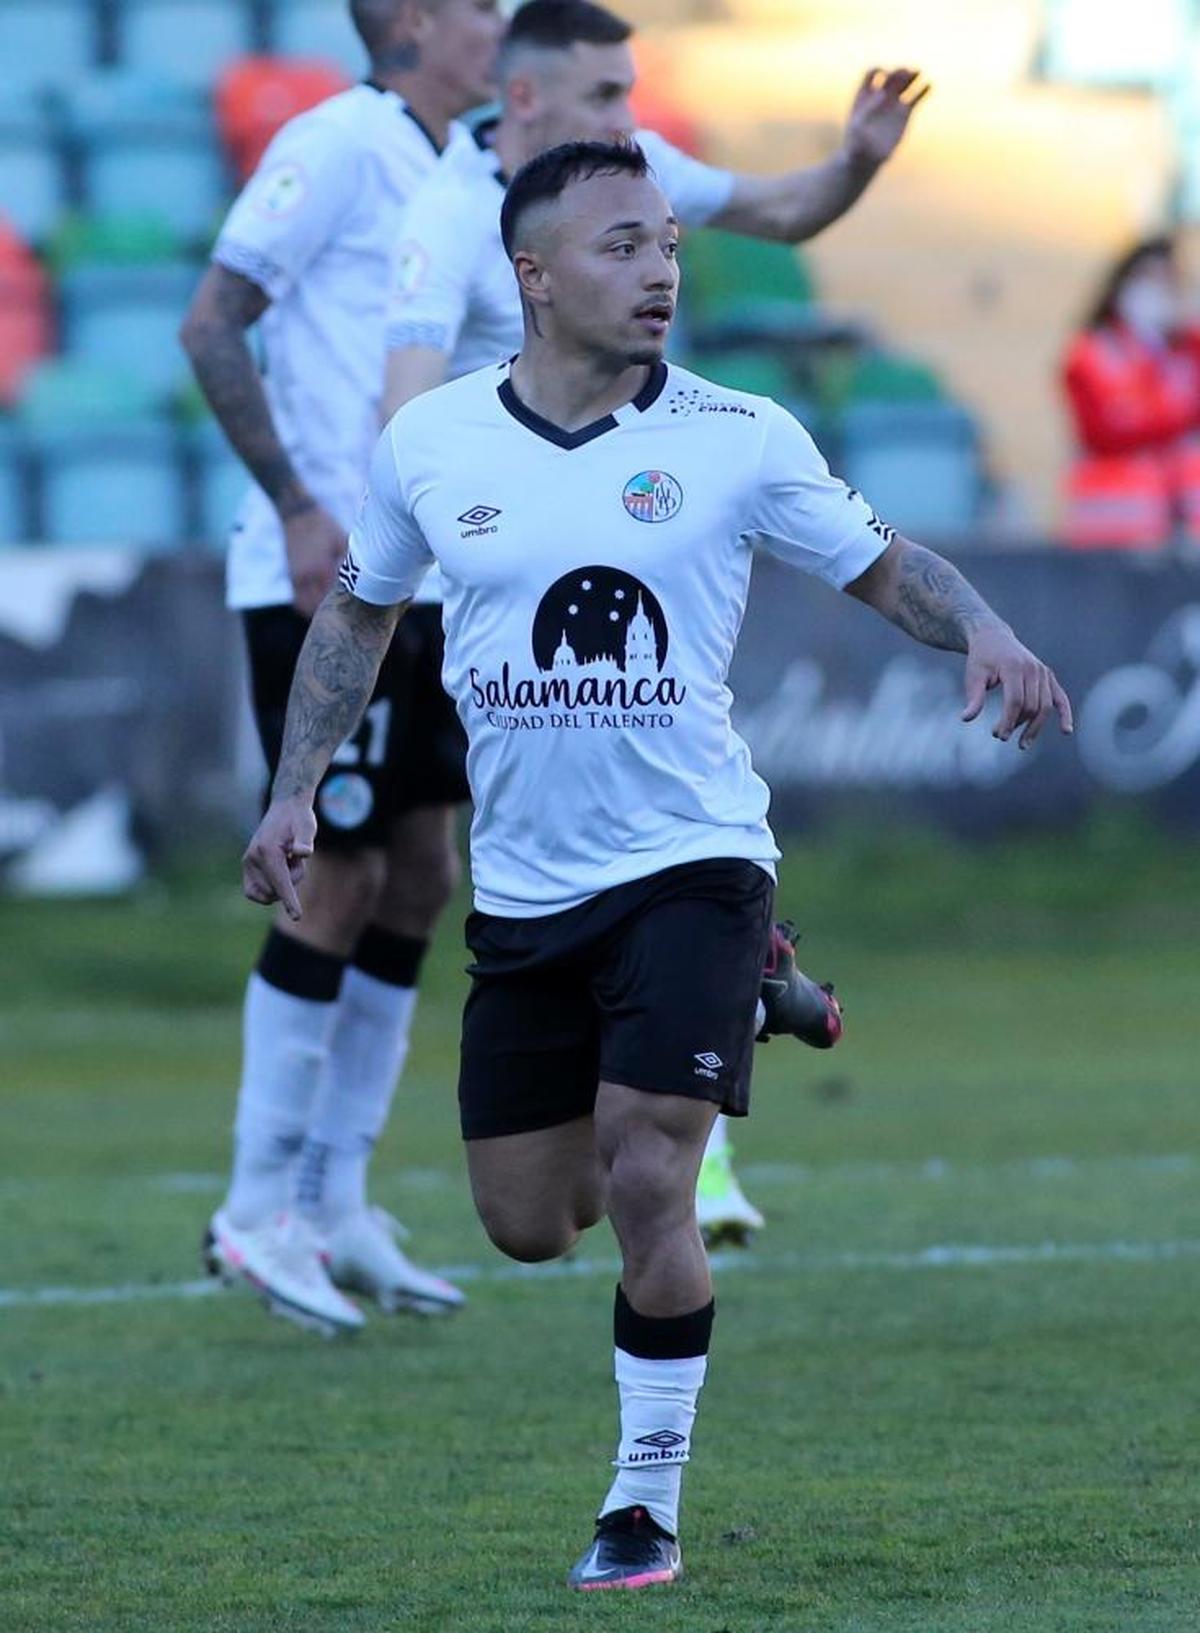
(697, 191)
(805, 516)
(439, 244)
(388, 555)
(304, 187)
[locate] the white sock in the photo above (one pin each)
(285, 1045)
(718, 1137)
(366, 1056)
(658, 1407)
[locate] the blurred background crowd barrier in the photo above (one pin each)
(124, 736)
(921, 341)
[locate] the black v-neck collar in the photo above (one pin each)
(374, 85)
(649, 394)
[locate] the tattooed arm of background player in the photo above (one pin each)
(335, 676)
(802, 203)
(928, 598)
(214, 336)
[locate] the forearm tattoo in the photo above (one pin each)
(225, 368)
(335, 676)
(934, 602)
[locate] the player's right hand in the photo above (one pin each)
(276, 857)
(315, 544)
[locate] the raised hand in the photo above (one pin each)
(882, 108)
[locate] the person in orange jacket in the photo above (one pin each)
(1132, 382)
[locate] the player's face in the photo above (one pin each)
(582, 95)
(459, 47)
(611, 270)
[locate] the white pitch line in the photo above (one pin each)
(923, 1170)
(938, 1256)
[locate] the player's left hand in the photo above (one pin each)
(1030, 690)
(880, 113)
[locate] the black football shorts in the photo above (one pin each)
(653, 984)
(410, 749)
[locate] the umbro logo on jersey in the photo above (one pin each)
(710, 1063)
(477, 518)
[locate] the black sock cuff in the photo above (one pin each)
(662, 1338)
(301, 970)
(386, 956)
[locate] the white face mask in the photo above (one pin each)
(1148, 306)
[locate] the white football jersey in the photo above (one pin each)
(593, 588)
(455, 289)
(316, 228)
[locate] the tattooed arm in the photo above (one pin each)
(214, 336)
(929, 599)
(335, 676)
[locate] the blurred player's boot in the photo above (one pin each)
(725, 1216)
(793, 1002)
(365, 1257)
(284, 1261)
(630, 1550)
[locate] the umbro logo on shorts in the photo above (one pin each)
(476, 520)
(709, 1062)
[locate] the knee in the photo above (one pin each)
(344, 894)
(420, 882)
(530, 1241)
(649, 1187)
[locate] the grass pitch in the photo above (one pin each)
(953, 1387)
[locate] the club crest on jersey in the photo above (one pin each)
(652, 496)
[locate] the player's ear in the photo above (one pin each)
(531, 276)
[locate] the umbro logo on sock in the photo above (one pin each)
(709, 1062)
(666, 1446)
(661, 1438)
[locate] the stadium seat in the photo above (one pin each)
(221, 483)
(255, 95)
(65, 392)
(889, 377)
(188, 40)
(918, 464)
(119, 486)
(145, 147)
(750, 369)
(32, 183)
(25, 319)
(129, 238)
(43, 42)
(319, 29)
(745, 283)
(14, 519)
(127, 318)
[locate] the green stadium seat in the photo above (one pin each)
(122, 485)
(189, 41)
(728, 278)
(72, 393)
(320, 29)
(127, 238)
(43, 42)
(125, 318)
(886, 377)
(749, 369)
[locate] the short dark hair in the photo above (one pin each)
(1104, 306)
(556, 25)
(373, 20)
(551, 173)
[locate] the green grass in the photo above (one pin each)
(884, 1446)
